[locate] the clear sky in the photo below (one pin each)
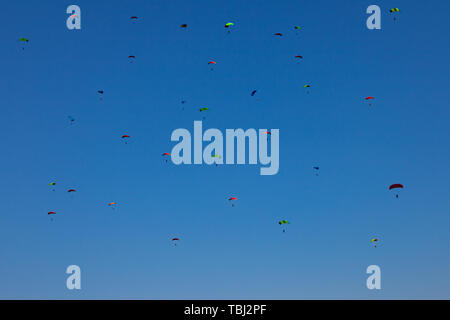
(225, 252)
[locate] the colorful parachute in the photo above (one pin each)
(166, 154)
(53, 184)
(282, 222)
(229, 24)
(278, 34)
(369, 98)
(133, 18)
(306, 86)
(175, 239)
(232, 199)
(212, 62)
(71, 190)
(51, 212)
(393, 11)
(299, 56)
(297, 28)
(131, 58)
(111, 203)
(374, 241)
(204, 109)
(24, 41)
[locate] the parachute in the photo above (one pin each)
(368, 99)
(212, 63)
(131, 58)
(282, 222)
(24, 41)
(175, 239)
(393, 11)
(232, 199)
(307, 86)
(51, 213)
(166, 154)
(53, 184)
(299, 56)
(316, 170)
(125, 136)
(133, 18)
(228, 25)
(253, 92)
(297, 28)
(112, 205)
(204, 109)
(278, 34)
(71, 119)
(71, 190)
(184, 25)
(374, 241)
(396, 186)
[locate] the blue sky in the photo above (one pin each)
(225, 252)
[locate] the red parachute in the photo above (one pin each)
(71, 190)
(395, 185)
(52, 212)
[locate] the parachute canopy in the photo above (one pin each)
(52, 183)
(297, 28)
(212, 62)
(299, 56)
(24, 39)
(133, 18)
(125, 136)
(229, 24)
(232, 198)
(51, 212)
(111, 203)
(374, 240)
(166, 154)
(395, 186)
(278, 34)
(204, 109)
(175, 239)
(184, 25)
(306, 86)
(370, 98)
(253, 92)
(71, 190)
(283, 222)
(394, 10)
